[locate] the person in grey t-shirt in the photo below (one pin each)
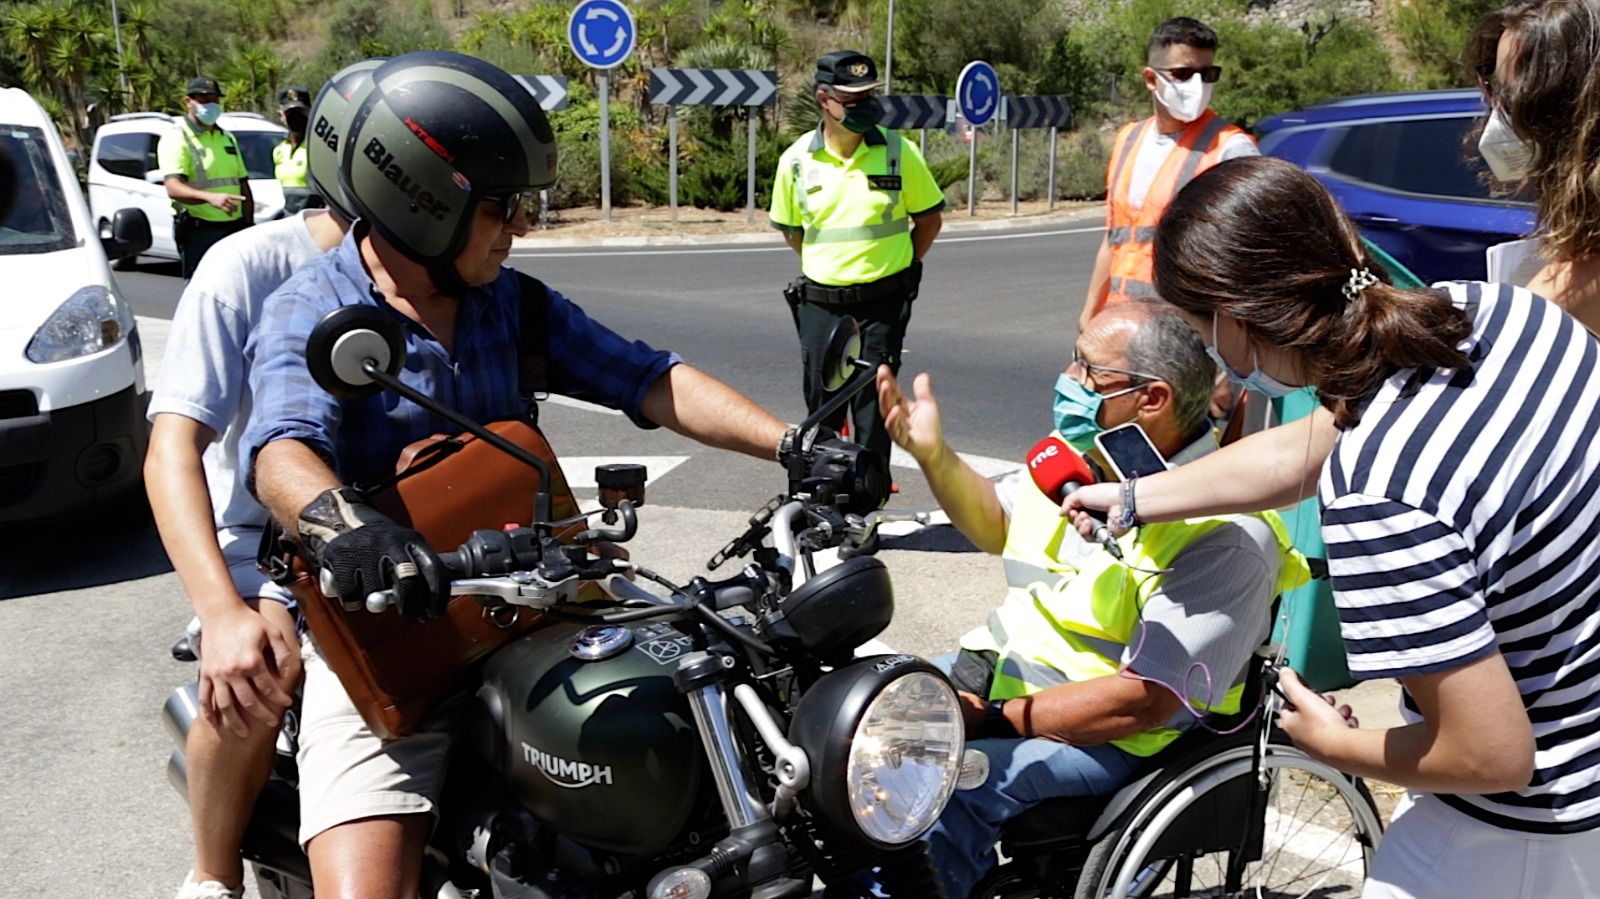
(211, 525)
(1091, 664)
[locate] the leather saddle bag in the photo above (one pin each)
(397, 670)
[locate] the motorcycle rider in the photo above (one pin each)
(210, 524)
(1084, 669)
(445, 155)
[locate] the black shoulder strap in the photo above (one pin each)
(533, 343)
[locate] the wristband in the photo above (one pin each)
(1130, 510)
(995, 722)
(786, 443)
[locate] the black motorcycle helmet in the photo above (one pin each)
(330, 119)
(437, 133)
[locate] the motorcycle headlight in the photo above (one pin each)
(884, 736)
(90, 321)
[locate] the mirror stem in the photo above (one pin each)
(866, 376)
(541, 502)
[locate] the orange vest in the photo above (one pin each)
(1131, 232)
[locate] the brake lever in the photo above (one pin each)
(520, 588)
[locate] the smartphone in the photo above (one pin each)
(1130, 452)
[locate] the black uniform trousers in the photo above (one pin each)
(194, 236)
(883, 320)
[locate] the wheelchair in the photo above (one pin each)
(1244, 814)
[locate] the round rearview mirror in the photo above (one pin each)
(345, 341)
(839, 360)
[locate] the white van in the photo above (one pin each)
(123, 171)
(72, 391)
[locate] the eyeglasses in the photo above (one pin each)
(506, 205)
(1208, 74)
(849, 99)
(1137, 378)
(1485, 72)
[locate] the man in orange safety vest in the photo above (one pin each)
(1152, 159)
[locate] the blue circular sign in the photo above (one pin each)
(601, 33)
(978, 92)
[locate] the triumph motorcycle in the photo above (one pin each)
(671, 740)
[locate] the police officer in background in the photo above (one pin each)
(289, 157)
(205, 176)
(861, 208)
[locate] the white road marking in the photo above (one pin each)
(987, 466)
(153, 341)
(580, 469)
(781, 248)
(569, 402)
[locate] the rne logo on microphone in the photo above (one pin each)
(1047, 453)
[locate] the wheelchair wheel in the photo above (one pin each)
(1316, 838)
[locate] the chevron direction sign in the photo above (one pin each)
(905, 112)
(713, 87)
(1038, 112)
(549, 90)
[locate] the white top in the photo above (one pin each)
(1460, 517)
(1153, 150)
(205, 375)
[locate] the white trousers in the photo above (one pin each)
(1432, 851)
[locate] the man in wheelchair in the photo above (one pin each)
(1092, 664)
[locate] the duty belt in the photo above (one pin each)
(898, 284)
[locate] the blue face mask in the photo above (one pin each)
(1257, 381)
(208, 113)
(1077, 411)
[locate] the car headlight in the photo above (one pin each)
(90, 321)
(884, 736)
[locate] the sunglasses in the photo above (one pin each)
(1208, 74)
(507, 205)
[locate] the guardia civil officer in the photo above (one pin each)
(205, 176)
(289, 157)
(861, 208)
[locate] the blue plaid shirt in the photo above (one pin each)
(363, 438)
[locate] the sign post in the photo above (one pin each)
(1052, 112)
(978, 94)
(750, 88)
(602, 34)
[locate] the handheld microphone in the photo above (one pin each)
(1057, 470)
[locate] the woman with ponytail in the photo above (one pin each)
(1459, 509)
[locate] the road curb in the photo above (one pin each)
(953, 224)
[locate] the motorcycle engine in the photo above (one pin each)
(601, 748)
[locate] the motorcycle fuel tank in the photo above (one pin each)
(603, 751)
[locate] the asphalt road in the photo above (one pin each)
(88, 608)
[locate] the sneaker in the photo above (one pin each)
(210, 889)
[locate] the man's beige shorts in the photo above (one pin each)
(347, 772)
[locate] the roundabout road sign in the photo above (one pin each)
(602, 33)
(978, 92)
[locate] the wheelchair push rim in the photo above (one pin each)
(1320, 833)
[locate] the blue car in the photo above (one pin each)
(1404, 169)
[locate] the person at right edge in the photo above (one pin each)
(1152, 159)
(205, 176)
(1459, 515)
(858, 203)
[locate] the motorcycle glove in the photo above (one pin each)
(366, 552)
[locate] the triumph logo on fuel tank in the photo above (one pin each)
(566, 772)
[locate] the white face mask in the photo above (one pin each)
(1509, 156)
(1183, 100)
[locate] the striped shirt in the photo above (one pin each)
(1460, 519)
